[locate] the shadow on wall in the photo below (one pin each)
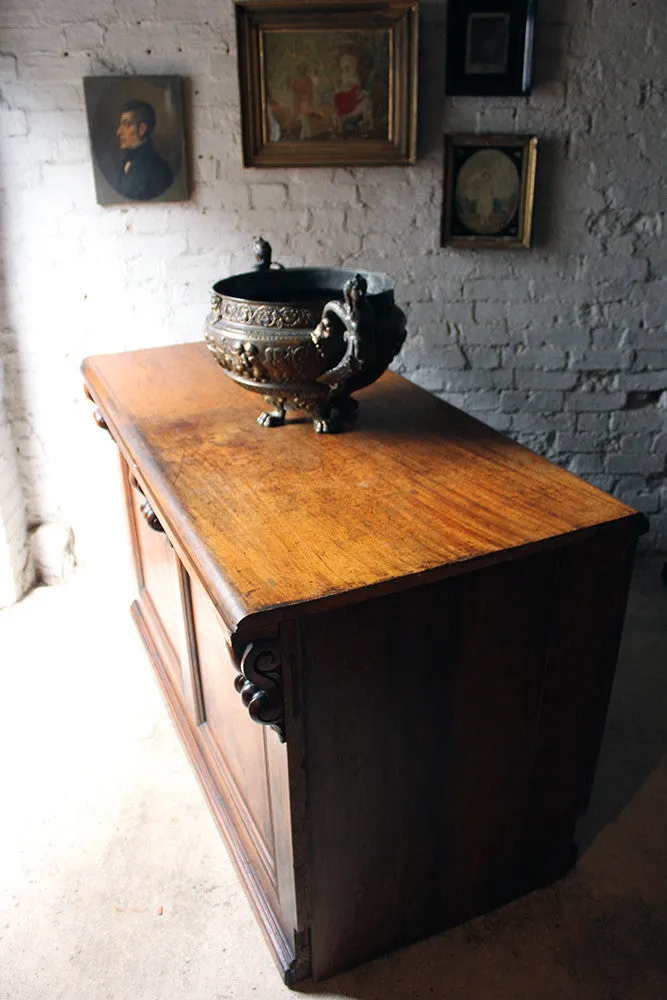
(14, 553)
(549, 158)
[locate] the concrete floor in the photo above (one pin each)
(114, 883)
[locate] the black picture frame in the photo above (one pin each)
(490, 47)
(148, 163)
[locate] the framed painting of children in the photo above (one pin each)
(328, 82)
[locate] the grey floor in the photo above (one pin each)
(114, 883)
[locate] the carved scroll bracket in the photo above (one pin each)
(260, 685)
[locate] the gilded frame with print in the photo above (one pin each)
(327, 82)
(488, 191)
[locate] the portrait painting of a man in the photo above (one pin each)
(137, 138)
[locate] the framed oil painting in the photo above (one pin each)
(488, 191)
(490, 47)
(328, 82)
(137, 138)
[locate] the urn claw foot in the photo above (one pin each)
(326, 425)
(271, 418)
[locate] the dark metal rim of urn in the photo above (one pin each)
(302, 286)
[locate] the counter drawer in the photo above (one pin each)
(160, 581)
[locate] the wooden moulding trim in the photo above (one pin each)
(161, 640)
(215, 761)
(280, 947)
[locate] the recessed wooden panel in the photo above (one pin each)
(240, 741)
(506, 625)
(422, 714)
(378, 693)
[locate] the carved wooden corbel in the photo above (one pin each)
(260, 685)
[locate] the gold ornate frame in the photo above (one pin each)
(519, 236)
(399, 17)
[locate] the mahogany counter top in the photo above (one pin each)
(284, 516)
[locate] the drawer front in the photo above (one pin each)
(159, 572)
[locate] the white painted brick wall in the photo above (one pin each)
(563, 347)
(15, 568)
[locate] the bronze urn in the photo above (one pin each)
(304, 338)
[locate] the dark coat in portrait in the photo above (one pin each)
(143, 174)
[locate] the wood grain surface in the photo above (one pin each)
(278, 517)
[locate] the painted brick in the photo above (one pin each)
(593, 422)
(480, 379)
(600, 360)
(482, 289)
(545, 379)
(492, 333)
(644, 419)
(636, 443)
(645, 465)
(646, 381)
(584, 464)
(481, 401)
(499, 421)
(648, 503)
(584, 441)
(86, 35)
(660, 444)
(429, 378)
(484, 357)
(267, 196)
(650, 360)
(595, 400)
(549, 422)
(7, 68)
(565, 337)
(13, 123)
(546, 358)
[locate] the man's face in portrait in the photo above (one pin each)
(129, 133)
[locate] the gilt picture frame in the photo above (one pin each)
(490, 47)
(488, 191)
(328, 82)
(137, 138)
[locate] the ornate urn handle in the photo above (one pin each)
(356, 315)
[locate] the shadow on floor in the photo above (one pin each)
(635, 738)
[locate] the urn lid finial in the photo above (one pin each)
(262, 251)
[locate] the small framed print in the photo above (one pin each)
(137, 138)
(490, 47)
(488, 191)
(328, 82)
